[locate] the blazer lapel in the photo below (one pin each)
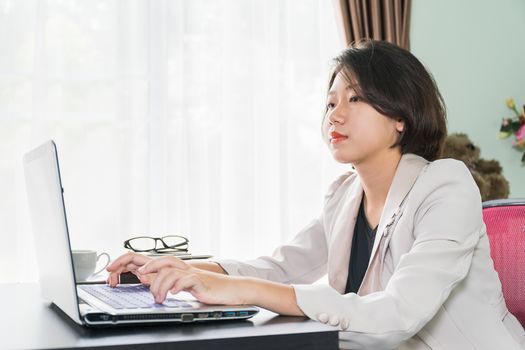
(341, 240)
(407, 171)
(406, 174)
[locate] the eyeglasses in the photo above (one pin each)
(170, 244)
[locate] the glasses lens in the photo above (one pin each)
(142, 244)
(175, 242)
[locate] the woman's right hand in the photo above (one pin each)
(129, 262)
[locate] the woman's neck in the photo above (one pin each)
(376, 176)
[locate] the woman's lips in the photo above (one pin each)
(336, 137)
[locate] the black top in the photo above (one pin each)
(362, 244)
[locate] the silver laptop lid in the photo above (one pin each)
(48, 218)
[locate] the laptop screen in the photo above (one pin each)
(48, 218)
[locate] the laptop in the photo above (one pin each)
(95, 304)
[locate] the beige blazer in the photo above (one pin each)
(430, 283)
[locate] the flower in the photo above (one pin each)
(516, 126)
(520, 137)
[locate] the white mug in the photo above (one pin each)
(85, 263)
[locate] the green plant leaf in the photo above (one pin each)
(504, 134)
(515, 125)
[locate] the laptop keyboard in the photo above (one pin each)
(130, 297)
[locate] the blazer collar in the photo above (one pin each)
(407, 172)
(405, 176)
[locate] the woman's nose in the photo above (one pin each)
(335, 117)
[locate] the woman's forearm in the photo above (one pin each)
(208, 266)
(276, 297)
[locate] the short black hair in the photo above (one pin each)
(396, 84)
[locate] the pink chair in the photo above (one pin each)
(505, 221)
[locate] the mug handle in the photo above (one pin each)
(107, 262)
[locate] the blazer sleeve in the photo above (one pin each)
(303, 260)
(446, 230)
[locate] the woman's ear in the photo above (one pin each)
(400, 125)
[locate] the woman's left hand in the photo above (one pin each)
(174, 275)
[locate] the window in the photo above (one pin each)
(192, 117)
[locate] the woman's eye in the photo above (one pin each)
(330, 105)
(355, 99)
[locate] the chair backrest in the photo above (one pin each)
(505, 221)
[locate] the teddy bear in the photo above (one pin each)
(487, 173)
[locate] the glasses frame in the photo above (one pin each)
(165, 249)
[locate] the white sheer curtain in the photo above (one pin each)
(192, 117)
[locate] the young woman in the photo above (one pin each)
(401, 235)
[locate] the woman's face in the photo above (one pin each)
(353, 129)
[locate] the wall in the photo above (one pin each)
(476, 52)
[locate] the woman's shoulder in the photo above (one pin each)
(447, 169)
(448, 176)
(445, 197)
